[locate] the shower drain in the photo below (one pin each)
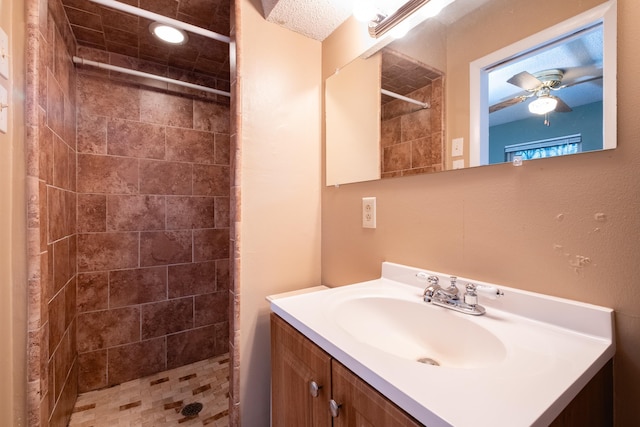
(192, 409)
(428, 361)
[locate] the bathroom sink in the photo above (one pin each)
(418, 332)
(520, 363)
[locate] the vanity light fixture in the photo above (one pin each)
(411, 12)
(168, 34)
(543, 105)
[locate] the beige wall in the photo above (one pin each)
(12, 228)
(278, 172)
(530, 227)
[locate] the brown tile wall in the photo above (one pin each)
(411, 138)
(153, 229)
(51, 176)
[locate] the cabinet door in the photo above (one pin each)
(296, 362)
(361, 405)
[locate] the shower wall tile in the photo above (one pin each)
(92, 134)
(106, 174)
(157, 177)
(138, 286)
(56, 321)
(92, 369)
(107, 251)
(222, 275)
(153, 193)
(222, 153)
(167, 317)
(57, 211)
(203, 315)
(135, 139)
(190, 212)
(222, 210)
(92, 291)
(210, 244)
(211, 180)
(412, 140)
(186, 145)
(61, 266)
(45, 147)
(98, 97)
(133, 213)
(211, 117)
(108, 328)
(92, 213)
(136, 360)
(191, 279)
(61, 163)
(416, 125)
(166, 109)
(55, 106)
(424, 153)
(188, 347)
(165, 247)
(222, 338)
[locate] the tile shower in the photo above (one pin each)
(128, 222)
(411, 138)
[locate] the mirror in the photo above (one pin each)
(483, 79)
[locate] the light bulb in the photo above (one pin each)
(543, 105)
(168, 33)
(364, 11)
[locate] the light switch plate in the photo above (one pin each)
(4, 112)
(456, 147)
(4, 54)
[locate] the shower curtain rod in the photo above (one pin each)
(83, 61)
(163, 19)
(405, 98)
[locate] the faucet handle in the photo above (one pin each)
(470, 295)
(490, 292)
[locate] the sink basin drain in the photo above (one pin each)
(192, 409)
(428, 361)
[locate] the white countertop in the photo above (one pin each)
(553, 347)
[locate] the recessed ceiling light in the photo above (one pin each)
(168, 33)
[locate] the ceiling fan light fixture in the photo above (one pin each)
(168, 34)
(543, 105)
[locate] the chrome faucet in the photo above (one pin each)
(449, 298)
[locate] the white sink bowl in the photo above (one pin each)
(520, 364)
(418, 332)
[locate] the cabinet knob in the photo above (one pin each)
(334, 408)
(313, 388)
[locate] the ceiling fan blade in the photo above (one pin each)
(578, 82)
(508, 103)
(561, 106)
(525, 80)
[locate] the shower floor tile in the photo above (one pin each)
(158, 400)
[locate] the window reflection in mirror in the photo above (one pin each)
(549, 87)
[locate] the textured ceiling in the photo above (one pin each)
(313, 18)
(113, 31)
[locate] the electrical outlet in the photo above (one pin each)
(368, 212)
(457, 147)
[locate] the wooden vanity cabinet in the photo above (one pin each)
(296, 362)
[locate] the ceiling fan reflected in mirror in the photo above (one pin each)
(539, 86)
